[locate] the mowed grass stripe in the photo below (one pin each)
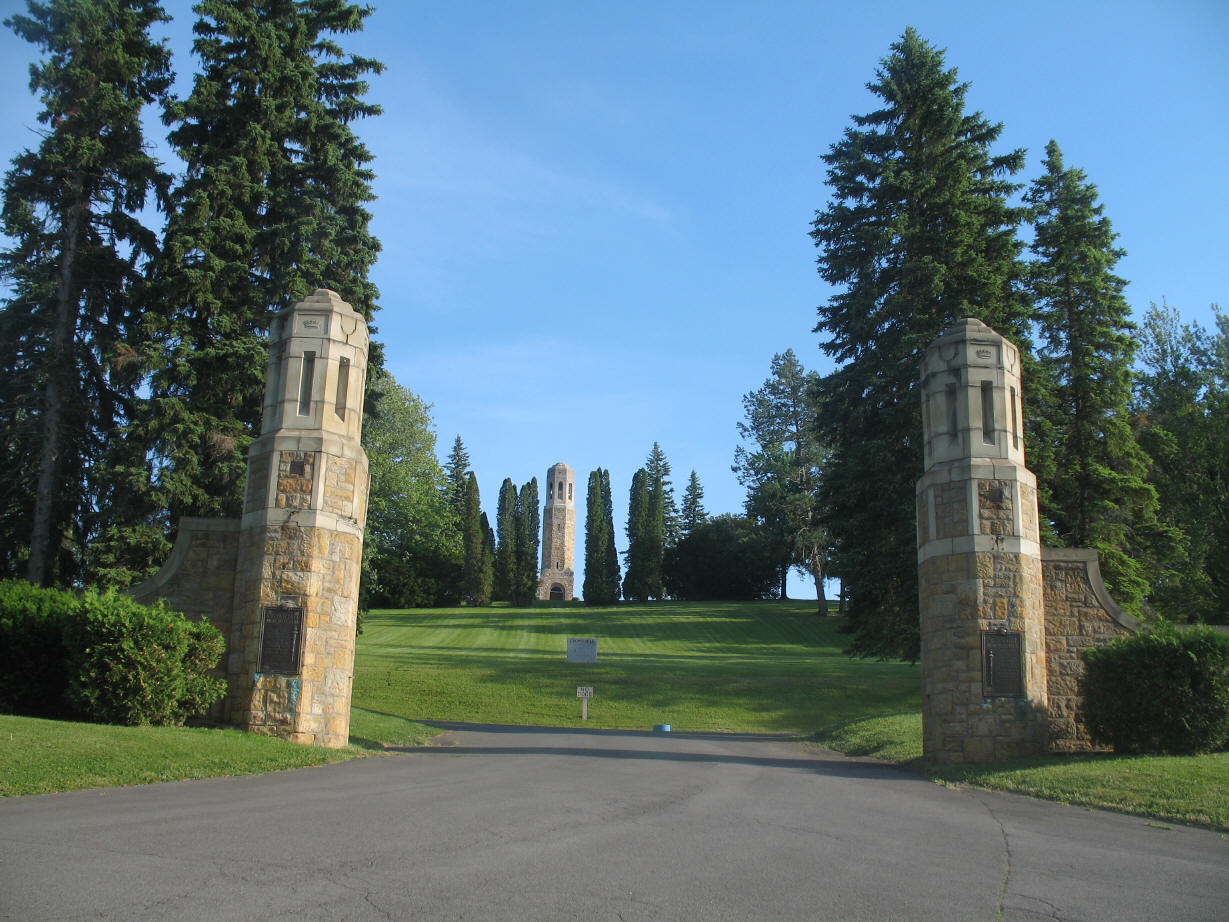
(748, 667)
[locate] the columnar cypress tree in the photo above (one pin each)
(594, 540)
(601, 583)
(639, 539)
(70, 334)
(919, 233)
(505, 549)
(271, 207)
(692, 513)
(610, 559)
(476, 575)
(528, 540)
(1094, 471)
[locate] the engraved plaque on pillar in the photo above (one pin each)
(1002, 664)
(281, 640)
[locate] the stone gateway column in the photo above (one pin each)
(290, 665)
(979, 558)
(557, 582)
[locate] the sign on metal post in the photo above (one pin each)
(584, 693)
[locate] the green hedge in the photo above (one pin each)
(1163, 691)
(102, 657)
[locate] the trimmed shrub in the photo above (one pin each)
(104, 658)
(33, 660)
(1164, 691)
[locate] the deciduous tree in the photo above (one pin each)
(781, 471)
(412, 547)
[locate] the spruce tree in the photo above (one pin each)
(658, 468)
(71, 333)
(456, 470)
(271, 207)
(692, 512)
(1094, 472)
(919, 233)
(505, 549)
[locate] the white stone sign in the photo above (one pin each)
(582, 649)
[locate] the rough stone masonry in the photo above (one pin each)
(281, 583)
(1002, 619)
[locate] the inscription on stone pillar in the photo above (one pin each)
(281, 640)
(1002, 667)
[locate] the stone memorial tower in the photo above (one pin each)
(558, 535)
(290, 656)
(984, 691)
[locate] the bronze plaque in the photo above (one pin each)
(1002, 665)
(281, 640)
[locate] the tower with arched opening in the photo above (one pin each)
(557, 583)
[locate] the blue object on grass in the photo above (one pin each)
(661, 728)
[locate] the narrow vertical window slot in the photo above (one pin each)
(987, 412)
(950, 393)
(306, 380)
(1015, 421)
(343, 387)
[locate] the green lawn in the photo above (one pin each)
(772, 667)
(766, 667)
(41, 756)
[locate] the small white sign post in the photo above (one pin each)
(584, 693)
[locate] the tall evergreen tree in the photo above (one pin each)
(592, 590)
(601, 586)
(919, 233)
(528, 541)
(271, 206)
(1093, 472)
(781, 472)
(477, 567)
(646, 527)
(692, 513)
(70, 333)
(505, 548)
(1182, 413)
(610, 556)
(658, 469)
(456, 470)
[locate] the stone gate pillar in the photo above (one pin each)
(291, 652)
(979, 556)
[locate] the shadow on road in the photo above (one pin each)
(839, 766)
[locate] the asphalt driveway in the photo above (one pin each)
(525, 823)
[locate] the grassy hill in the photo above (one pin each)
(773, 667)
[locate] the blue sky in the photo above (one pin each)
(594, 215)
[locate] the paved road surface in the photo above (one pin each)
(516, 823)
